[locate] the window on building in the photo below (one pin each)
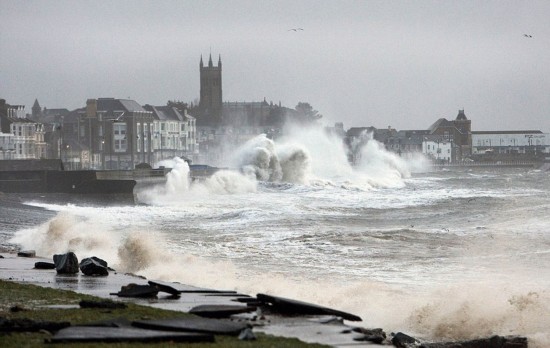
(120, 141)
(139, 137)
(146, 137)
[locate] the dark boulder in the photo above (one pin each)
(44, 265)
(401, 340)
(66, 263)
(29, 325)
(219, 311)
(27, 253)
(165, 288)
(107, 304)
(134, 290)
(370, 335)
(94, 266)
(293, 307)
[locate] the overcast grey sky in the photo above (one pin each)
(366, 63)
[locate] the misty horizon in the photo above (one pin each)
(371, 63)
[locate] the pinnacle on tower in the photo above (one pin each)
(210, 61)
(461, 115)
(36, 109)
(201, 64)
(220, 61)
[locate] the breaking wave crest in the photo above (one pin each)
(310, 155)
(262, 158)
(305, 156)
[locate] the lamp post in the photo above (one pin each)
(67, 156)
(103, 153)
(158, 136)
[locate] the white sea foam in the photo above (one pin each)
(444, 255)
(311, 156)
(460, 310)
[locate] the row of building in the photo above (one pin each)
(109, 133)
(453, 141)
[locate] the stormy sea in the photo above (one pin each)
(452, 253)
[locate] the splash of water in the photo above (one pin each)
(460, 311)
(179, 187)
(257, 157)
(305, 156)
(177, 180)
(311, 156)
(66, 232)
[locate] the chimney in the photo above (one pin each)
(91, 108)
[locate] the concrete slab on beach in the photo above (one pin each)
(305, 328)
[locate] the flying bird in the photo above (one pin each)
(527, 35)
(295, 29)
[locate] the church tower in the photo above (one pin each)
(36, 110)
(211, 90)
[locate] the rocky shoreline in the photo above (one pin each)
(215, 311)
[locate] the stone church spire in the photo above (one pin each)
(210, 102)
(36, 109)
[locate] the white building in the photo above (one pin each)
(438, 149)
(20, 138)
(174, 133)
(7, 146)
(510, 142)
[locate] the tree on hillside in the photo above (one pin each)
(306, 114)
(180, 106)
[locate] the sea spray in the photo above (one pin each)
(179, 187)
(257, 157)
(456, 312)
(178, 180)
(177, 184)
(449, 255)
(381, 168)
(67, 232)
(303, 156)
(461, 309)
(326, 153)
(310, 155)
(138, 252)
(227, 182)
(295, 163)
